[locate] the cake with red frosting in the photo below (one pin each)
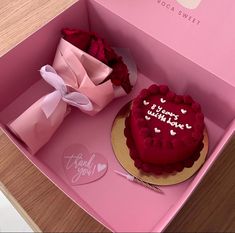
(164, 131)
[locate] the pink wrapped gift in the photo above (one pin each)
(78, 81)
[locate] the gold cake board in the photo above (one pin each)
(121, 151)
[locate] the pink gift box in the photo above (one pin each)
(185, 44)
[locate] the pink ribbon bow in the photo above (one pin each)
(84, 74)
(52, 100)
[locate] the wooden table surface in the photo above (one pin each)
(211, 208)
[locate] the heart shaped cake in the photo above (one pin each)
(164, 131)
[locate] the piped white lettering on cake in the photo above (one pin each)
(156, 130)
(145, 102)
(159, 116)
(159, 108)
(171, 114)
(188, 126)
(175, 124)
(166, 116)
(147, 118)
(172, 132)
(153, 106)
(162, 100)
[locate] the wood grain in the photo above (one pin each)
(20, 18)
(19, 208)
(210, 209)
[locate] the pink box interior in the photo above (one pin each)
(112, 200)
(204, 34)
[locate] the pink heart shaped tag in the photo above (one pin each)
(81, 166)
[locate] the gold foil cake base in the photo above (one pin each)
(122, 154)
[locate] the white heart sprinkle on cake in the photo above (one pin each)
(172, 132)
(188, 126)
(183, 111)
(145, 102)
(156, 130)
(162, 100)
(147, 118)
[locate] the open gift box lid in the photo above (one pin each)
(200, 30)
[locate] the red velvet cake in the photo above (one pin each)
(164, 131)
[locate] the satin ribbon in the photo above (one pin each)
(61, 92)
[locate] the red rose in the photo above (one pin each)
(96, 50)
(78, 38)
(89, 42)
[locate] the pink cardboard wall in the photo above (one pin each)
(205, 34)
(164, 65)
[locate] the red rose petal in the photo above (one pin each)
(101, 50)
(78, 38)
